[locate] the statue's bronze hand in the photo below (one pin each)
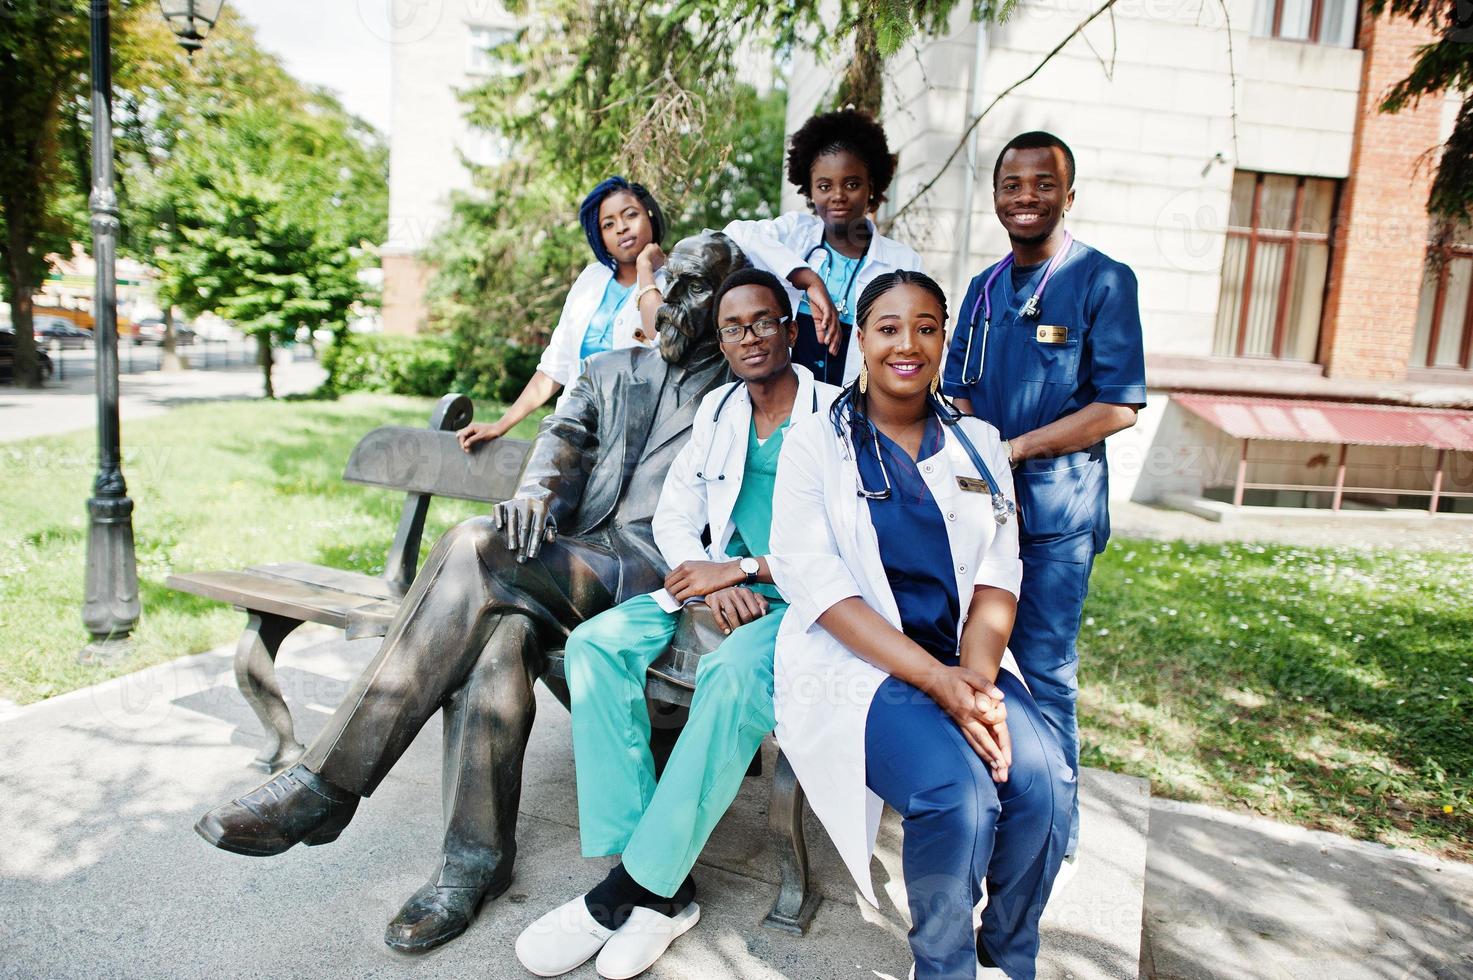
(526, 523)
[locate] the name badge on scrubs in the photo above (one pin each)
(1052, 335)
(972, 485)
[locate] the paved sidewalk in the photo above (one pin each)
(102, 876)
(1409, 532)
(1241, 896)
(70, 405)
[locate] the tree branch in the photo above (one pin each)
(967, 134)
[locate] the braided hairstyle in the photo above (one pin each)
(588, 215)
(852, 402)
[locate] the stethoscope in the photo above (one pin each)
(1030, 310)
(1002, 507)
(842, 303)
(715, 419)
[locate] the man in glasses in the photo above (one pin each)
(719, 489)
(494, 594)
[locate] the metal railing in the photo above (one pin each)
(202, 355)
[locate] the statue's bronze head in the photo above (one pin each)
(695, 267)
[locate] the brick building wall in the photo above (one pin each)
(1381, 227)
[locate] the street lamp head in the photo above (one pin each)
(191, 20)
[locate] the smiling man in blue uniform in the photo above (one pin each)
(1048, 349)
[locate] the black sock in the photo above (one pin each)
(612, 900)
(982, 957)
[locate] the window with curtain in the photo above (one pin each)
(1275, 266)
(1315, 21)
(1444, 337)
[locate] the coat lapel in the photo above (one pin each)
(679, 422)
(637, 396)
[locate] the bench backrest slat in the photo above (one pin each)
(398, 457)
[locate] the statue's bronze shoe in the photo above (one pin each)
(438, 913)
(296, 806)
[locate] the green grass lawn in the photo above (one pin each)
(1326, 687)
(1329, 688)
(214, 486)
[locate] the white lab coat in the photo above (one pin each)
(824, 549)
(790, 241)
(705, 480)
(560, 361)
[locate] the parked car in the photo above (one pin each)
(7, 358)
(53, 329)
(151, 331)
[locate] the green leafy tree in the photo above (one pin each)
(43, 57)
(1445, 64)
(511, 248)
(265, 217)
(234, 99)
(595, 87)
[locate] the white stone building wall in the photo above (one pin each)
(431, 62)
(1157, 137)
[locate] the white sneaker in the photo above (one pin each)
(1067, 870)
(561, 940)
(643, 940)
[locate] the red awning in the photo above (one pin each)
(1301, 420)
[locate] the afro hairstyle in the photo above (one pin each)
(846, 129)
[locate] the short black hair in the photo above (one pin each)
(846, 129)
(751, 276)
(1036, 140)
(588, 215)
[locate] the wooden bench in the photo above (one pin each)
(425, 463)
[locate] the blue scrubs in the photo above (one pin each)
(599, 336)
(840, 274)
(960, 827)
(1085, 346)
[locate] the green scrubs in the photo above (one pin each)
(660, 828)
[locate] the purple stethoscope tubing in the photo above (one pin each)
(1030, 308)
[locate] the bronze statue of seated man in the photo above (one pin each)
(495, 594)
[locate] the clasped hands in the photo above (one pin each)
(719, 583)
(976, 705)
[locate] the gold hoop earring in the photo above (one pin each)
(935, 382)
(863, 377)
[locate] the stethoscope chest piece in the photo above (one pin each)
(1002, 509)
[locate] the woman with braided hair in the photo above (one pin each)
(895, 542)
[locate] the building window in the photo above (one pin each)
(484, 40)
(1444, 337)
(1316, 21)
(1275, 266)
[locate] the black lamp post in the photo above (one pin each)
(110, 608)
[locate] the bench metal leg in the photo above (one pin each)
(255, 675)
(795, 904)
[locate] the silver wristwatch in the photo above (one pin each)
(750, 567)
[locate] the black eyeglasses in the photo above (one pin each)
(765, 327)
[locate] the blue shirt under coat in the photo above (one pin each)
(911, 530)
(599, 336)
(1028, 382)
